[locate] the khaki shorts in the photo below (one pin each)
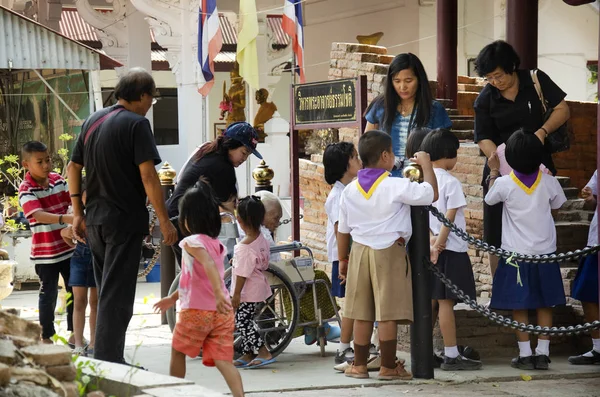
(379, 284)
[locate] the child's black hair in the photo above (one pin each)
(524, 152)
(251, 211)
(371, 145)
(441, 144)
(199, 211)
(33, 147)
(414, 141)
(335, 160)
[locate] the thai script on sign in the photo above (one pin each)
(323, 102)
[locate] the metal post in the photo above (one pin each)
(295, 172)
(447, 43)
(167, 258)
(522, 30)
(598, 152)
(421, 330)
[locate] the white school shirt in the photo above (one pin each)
(593, 234)
(332, 208)
(384, 217)
(527, 224)
(451, 196)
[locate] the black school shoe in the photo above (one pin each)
(523, 362)
(437, 360)
(583, 360)
(541, 361)
(460, 363)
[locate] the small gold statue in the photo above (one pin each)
(265, 113)
(371, 39)
(234, 101)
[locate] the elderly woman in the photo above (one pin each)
(507, 103)
(273, 214)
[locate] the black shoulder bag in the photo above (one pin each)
(556, 141)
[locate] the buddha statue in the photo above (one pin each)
(265, 113)
(234, 101)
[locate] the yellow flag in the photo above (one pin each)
(247, 55)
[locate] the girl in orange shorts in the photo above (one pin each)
(206, 319)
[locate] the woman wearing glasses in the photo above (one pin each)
(507, 103)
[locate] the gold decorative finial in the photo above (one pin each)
(167, 174)
(413, 172)
(371, 39)
(262, 174)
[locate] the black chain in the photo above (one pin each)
(506, 321)
(286, 221)
(567, 256)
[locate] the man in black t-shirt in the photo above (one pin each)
(117, 148)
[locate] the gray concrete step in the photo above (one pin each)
(464, 134)
(571, 236)
(564, 181)
(571, 192)
(574, 216)
(464, 124)
(574, 204)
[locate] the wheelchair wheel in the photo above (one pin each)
(171, 313)
(276, 317)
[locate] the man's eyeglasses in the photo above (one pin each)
(495, 78)
(154, 100)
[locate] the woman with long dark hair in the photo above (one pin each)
(216, 162)
(406, 104)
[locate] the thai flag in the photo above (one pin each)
(210, 41)
(292, 25)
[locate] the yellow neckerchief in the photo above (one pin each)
(368, 194)
(526, 189)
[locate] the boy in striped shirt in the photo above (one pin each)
(45, 199)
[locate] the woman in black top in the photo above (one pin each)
(216, 162)
(507, 103)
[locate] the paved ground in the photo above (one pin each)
(300, 371)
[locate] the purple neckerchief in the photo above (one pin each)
(368, 176)
(527, 179)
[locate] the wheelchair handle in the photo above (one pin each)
(228, 215)
(293, 246)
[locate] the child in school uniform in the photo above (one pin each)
(341, 164)
(375, 211)
(448, 250)
(585, 286)
(529, 196)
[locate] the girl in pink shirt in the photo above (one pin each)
(249, 284)
(206, 318)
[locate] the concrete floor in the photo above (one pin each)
(300, 371)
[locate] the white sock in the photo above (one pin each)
(344, 346)
(525, 349)
(375, 338)
(451, 352)
(596, 348)
(543, 347)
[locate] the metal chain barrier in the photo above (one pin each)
(506, 321)
(150, 245)
(286, 221)
(568, 256)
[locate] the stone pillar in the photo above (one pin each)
(447, 42)
(522, 30)
(139, 48)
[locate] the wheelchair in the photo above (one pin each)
(278, 317)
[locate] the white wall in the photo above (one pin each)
(342, 20)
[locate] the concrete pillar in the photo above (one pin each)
(522, 30)
(139, 48)
(447, 44)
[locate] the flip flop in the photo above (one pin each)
(243, 364)
(261, 363)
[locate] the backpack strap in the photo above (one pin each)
(97, 123)
(538, 88)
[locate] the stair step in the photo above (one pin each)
(469, 87)
(452, 112)
(564, 181)
(466, 80)
(463, 124)
(574, 216)
(571, 236)
(461, 117)
(574, 204)
(463, 135)
(571, 192)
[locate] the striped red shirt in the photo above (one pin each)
(47, 245)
